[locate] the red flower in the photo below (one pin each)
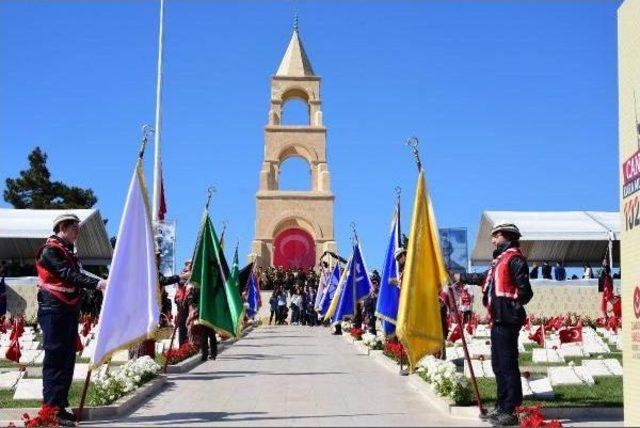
(532, 417)
(395, 349)
(174, 356)
(356, 332)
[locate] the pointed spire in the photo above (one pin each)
(295, 62)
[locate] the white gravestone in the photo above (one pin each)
(607, 367)
(8, 380)
(570, 376)
(28, 389)
(480, 369)
(547, 356)
(538, 389)
(80, 371)
(572, 350)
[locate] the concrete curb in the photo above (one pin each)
(124, 404)
(593, 413)
(185, 365)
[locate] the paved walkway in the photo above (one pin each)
(292, 376)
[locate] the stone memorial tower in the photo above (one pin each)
(294, 228)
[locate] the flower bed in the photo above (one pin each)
(109, 386)
(394, 350)
(186, 350)
(444, 379)
(356, 332)
(372, 341)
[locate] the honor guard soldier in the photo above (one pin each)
(60, 284)
(506, 289)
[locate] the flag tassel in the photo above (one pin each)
(474, 382)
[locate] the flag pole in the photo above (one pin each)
(474, 382)
(353, 282)
(146, 130)
(210, 192)
(156, 157)
(413, 143)
(83, 396)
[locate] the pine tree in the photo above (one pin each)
(34, 188)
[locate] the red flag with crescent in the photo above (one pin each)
(571, 334)
(538, 336)
(456, 334)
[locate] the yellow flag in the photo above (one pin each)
(419, 326)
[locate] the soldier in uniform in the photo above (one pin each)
(506, 289)
(60, 285)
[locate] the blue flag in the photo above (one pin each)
(357, 286)
(330, 290)
(253, 297)
(389, 295)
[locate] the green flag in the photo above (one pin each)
(233, 295)
(209, 272)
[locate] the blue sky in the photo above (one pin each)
(515, 104)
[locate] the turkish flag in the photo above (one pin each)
(613, 324)
(571, 334)
(559, 323)
(456, 334)
(14, 353)
(617, 306)
(550, 324)
(538, 336)
(527, 324)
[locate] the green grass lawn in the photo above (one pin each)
(607, 392)
(7, 401)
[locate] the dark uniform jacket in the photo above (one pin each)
(503, 309)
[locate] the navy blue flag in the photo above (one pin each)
(330, 290)
(389, 295)
(253, 297)
(357, 286)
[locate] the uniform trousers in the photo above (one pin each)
(59, 329)
(504, 361)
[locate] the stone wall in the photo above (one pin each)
(22, 296)
(552, 298)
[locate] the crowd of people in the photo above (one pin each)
(559, 272)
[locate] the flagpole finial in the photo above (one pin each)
(398, 191)
(353, 229)
(210, 191)
(413, 143)
(146, 131)
(296, 25)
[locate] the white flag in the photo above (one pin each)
(131, 306)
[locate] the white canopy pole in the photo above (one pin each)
(156, 155)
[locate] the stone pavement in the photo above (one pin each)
(289, 376)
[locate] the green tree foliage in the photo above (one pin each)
(34, 188)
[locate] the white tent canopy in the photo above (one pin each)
(23, 231)
(574, 237)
